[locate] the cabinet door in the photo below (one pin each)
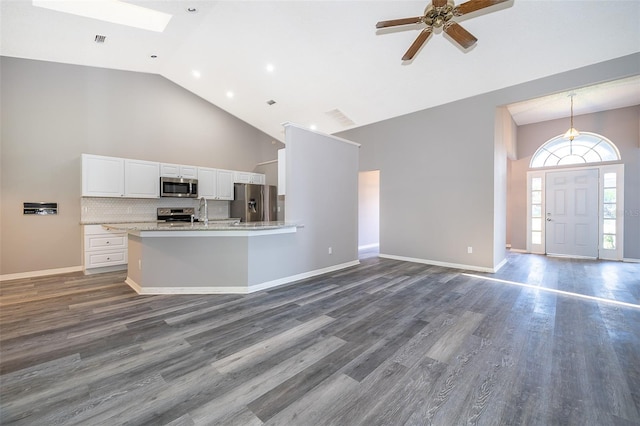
(242, 177)
(225, 185)
(102, 176)
(142, 179)
(207, 183)
(257, 178)
(189, 172)
(169, 170)
(178, 170)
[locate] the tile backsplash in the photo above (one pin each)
(114, 210)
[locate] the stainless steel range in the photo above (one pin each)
(176, 214)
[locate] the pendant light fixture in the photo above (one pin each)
(572, 133)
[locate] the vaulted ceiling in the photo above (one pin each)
(329, 66)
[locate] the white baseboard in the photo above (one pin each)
(237, 289)
(445, 264)
(631, 260)
(42, 273)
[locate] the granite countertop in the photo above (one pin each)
(121, 222)
(198, 226)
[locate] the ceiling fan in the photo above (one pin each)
(439, 14)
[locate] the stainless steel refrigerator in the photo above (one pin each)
(254, 203)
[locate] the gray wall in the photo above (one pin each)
(439, 172)
(322, 194)
(51, 113)
(621, 126)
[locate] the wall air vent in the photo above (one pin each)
(100, 38)
(339, 116)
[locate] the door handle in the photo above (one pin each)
(548, 219)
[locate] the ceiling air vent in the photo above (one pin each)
(100, 38)
(339, 116)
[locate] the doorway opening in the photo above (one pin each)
(369, 213)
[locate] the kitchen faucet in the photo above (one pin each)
(203, 202)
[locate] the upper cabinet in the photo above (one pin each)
(119, 177)
(215, 184)
(141, 179)
(248, 177)
(102, 176)
(122, 177)
(178, 170)
(225, 185)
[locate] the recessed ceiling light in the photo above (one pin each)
(271, 102)
(229, 94)
(192, 10)
(154, 56)
(270, 68)
(114, 11)
(196, 73)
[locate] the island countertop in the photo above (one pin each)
(175, 229)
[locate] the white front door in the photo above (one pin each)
(572, 213)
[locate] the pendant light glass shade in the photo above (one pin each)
(572, 133)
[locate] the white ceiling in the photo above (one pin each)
(327, 55)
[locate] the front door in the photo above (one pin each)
(572, 213)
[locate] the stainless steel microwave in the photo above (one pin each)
(178, 187)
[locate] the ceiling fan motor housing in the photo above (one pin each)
(437, 16)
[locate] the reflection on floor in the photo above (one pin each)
(604, 279)
(601, 279)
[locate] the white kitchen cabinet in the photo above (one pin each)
(248, 177)
(207, 183)
(241, 177)
(178, 170)
(119, 177)
(225, 185)
(257, 178)
(104, 250)
(141, 179)
(215, 184)
(102, 176)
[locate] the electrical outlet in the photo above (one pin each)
(330, 250)
(469, 249)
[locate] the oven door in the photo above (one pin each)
(178, 187)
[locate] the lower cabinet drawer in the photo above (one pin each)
(101, 242)
(99, 259)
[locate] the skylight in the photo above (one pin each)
(113, 11)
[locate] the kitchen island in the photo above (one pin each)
(214, 258)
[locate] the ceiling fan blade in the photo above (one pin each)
(396, 22)
(417, 44)
(439, 3)
(461, 36)
(473, 5)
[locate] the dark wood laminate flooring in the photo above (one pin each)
(383, 343)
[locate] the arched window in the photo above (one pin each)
(585, 148)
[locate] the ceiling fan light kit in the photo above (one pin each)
(440, 14)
